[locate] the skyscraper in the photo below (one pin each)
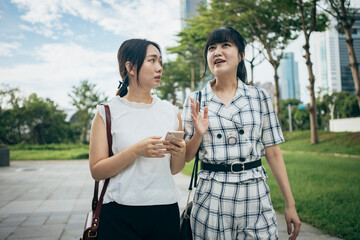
(189, 9)
(330, 57)
(289, 86)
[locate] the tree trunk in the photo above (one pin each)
(201, 79)
(313, 109)
(277, 92)
(192, 83)
(251, 83)
(173, 96)
(354, 65)
(84, 140)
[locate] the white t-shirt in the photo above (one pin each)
(146, 181)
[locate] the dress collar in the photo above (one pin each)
(138, 105)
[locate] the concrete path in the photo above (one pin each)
(50, 199)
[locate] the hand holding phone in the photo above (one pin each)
(175, 135)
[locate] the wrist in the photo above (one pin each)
(198, 135)
(290, 205)
(133, 151)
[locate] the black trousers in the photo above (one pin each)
(139, 222)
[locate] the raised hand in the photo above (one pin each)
(201, 123)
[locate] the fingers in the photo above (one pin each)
(206, 112)
(288, 226)
(157, 153)
(193, 107)
(296, 231)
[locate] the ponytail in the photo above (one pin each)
(123, 87)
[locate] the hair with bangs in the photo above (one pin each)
(134, 51)
(228, 34)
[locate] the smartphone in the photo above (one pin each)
(175, 135)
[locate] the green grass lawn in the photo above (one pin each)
(329, 142)
(49, 152)
(326, 190)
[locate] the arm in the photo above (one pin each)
(102, 166)
(277, 166)
(201, 125)
(177, 150)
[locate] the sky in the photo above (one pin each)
(49, 46)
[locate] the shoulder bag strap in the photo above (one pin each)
(97, 205)
(194, 175)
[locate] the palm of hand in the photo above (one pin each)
(201, 125)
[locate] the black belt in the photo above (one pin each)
(235, 167)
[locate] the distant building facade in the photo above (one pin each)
(189, 9)
(289, 86)
(331, 58)
(268, 86)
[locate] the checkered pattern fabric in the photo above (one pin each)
(239, 132)
(233, 211)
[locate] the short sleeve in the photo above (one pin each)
(271, 130)
(176, 120)
(101, 110)
(187, 125)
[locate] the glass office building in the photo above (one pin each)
(289, 86)
(330, 57)
(189, 9)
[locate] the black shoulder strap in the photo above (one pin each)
(97, 204)
(194, 174)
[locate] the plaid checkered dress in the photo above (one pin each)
(228, 205)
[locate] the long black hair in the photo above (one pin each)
(134, 51)
(228, 34)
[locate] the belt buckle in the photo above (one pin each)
(243, 167)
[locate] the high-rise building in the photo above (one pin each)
(289, 86)
(330, 58)
(189, 9)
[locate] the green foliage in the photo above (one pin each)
(45, 122)
(175, 78)
(32, 120)
(85, 98)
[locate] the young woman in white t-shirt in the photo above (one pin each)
(141, 198)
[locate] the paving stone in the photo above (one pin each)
(6, 231)
(34, 221)
(56, 208)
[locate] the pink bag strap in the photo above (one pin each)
(96, 205)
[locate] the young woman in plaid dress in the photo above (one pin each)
(237, 126)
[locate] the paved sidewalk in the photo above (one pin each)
(50, 199)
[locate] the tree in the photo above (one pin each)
(310, 22)
(345, 105)
(174, 78)
(11, 115)
(44, 121)
(192, 41)
(252, 62)
(85, 98)
(341, 10)
(272, 23)
(294, 103)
